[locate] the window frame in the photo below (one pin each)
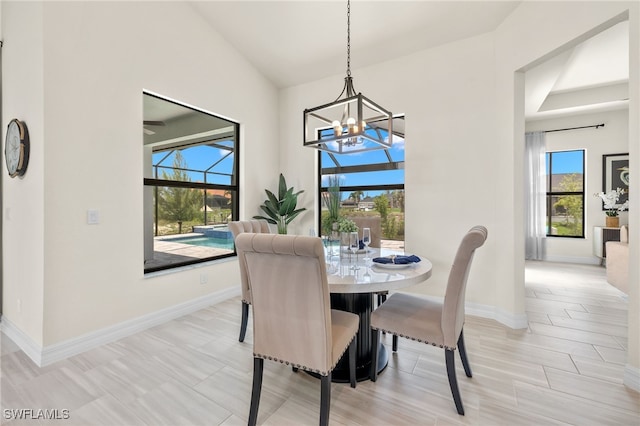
(550, 194)
(234, 188)
(335, 169)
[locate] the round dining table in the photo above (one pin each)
(354, 281)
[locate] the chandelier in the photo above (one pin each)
(352, 123)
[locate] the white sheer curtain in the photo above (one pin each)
(535, 196)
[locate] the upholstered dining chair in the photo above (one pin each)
(293, 322)
(436, 323)
(238, 227)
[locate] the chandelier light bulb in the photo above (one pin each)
(337, 128)
(351, 125)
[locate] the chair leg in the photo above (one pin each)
(463, 355)
(258, 364)
(352, 363)
(245, 320)
(375, 339)
(382, 297)
(453, 382)
(325, 399)
(394, 343)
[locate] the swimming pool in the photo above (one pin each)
(214, 231)
(203, 241)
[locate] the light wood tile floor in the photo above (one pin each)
(567, 368)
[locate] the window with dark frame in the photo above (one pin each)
(191, 184)
(368, 183)
(565, 193)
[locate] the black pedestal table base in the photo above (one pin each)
(361, 304)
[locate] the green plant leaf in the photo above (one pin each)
(267, 219)
(272, 211)
(288, 204)
(282, 187)
(273, 215)
(271, 197)
(293, 214)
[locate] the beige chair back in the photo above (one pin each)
(290, 295)
(453, 309)
(371, 222)
(238, 227)
(624, 234)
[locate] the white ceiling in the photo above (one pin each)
(593, 76)
(297, 41)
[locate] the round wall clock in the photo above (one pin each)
(16, 148)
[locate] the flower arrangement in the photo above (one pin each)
(346, 225)
(610, 200)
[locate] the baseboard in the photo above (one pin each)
(59, 351)
(632, 377)
(23, 341)
(591, 260)
(511, 320)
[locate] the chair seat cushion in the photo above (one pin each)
(411, 317)
(344, 326)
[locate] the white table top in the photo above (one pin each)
(371, 277)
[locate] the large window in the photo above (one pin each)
(371, 186)
(565, 193)
(191, 184)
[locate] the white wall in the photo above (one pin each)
(632, 370)
(613, 138)
(76, 72)
(23, 215)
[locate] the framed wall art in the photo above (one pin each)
(615, 174)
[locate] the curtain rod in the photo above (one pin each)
(574, 128)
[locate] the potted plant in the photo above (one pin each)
(610, 200)
(331, 200)
(345, 226)
(281, 210)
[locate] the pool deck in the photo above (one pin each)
(167, 252)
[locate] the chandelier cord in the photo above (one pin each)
(348, 88)
(348, 38)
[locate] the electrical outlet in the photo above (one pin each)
(93, 217)
(203, 278)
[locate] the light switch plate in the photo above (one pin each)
(93, 217)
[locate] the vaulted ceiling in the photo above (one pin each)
(298, 41)
(593, 76)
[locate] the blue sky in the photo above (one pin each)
(567, 162)
(369, 157)
(202, 157)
